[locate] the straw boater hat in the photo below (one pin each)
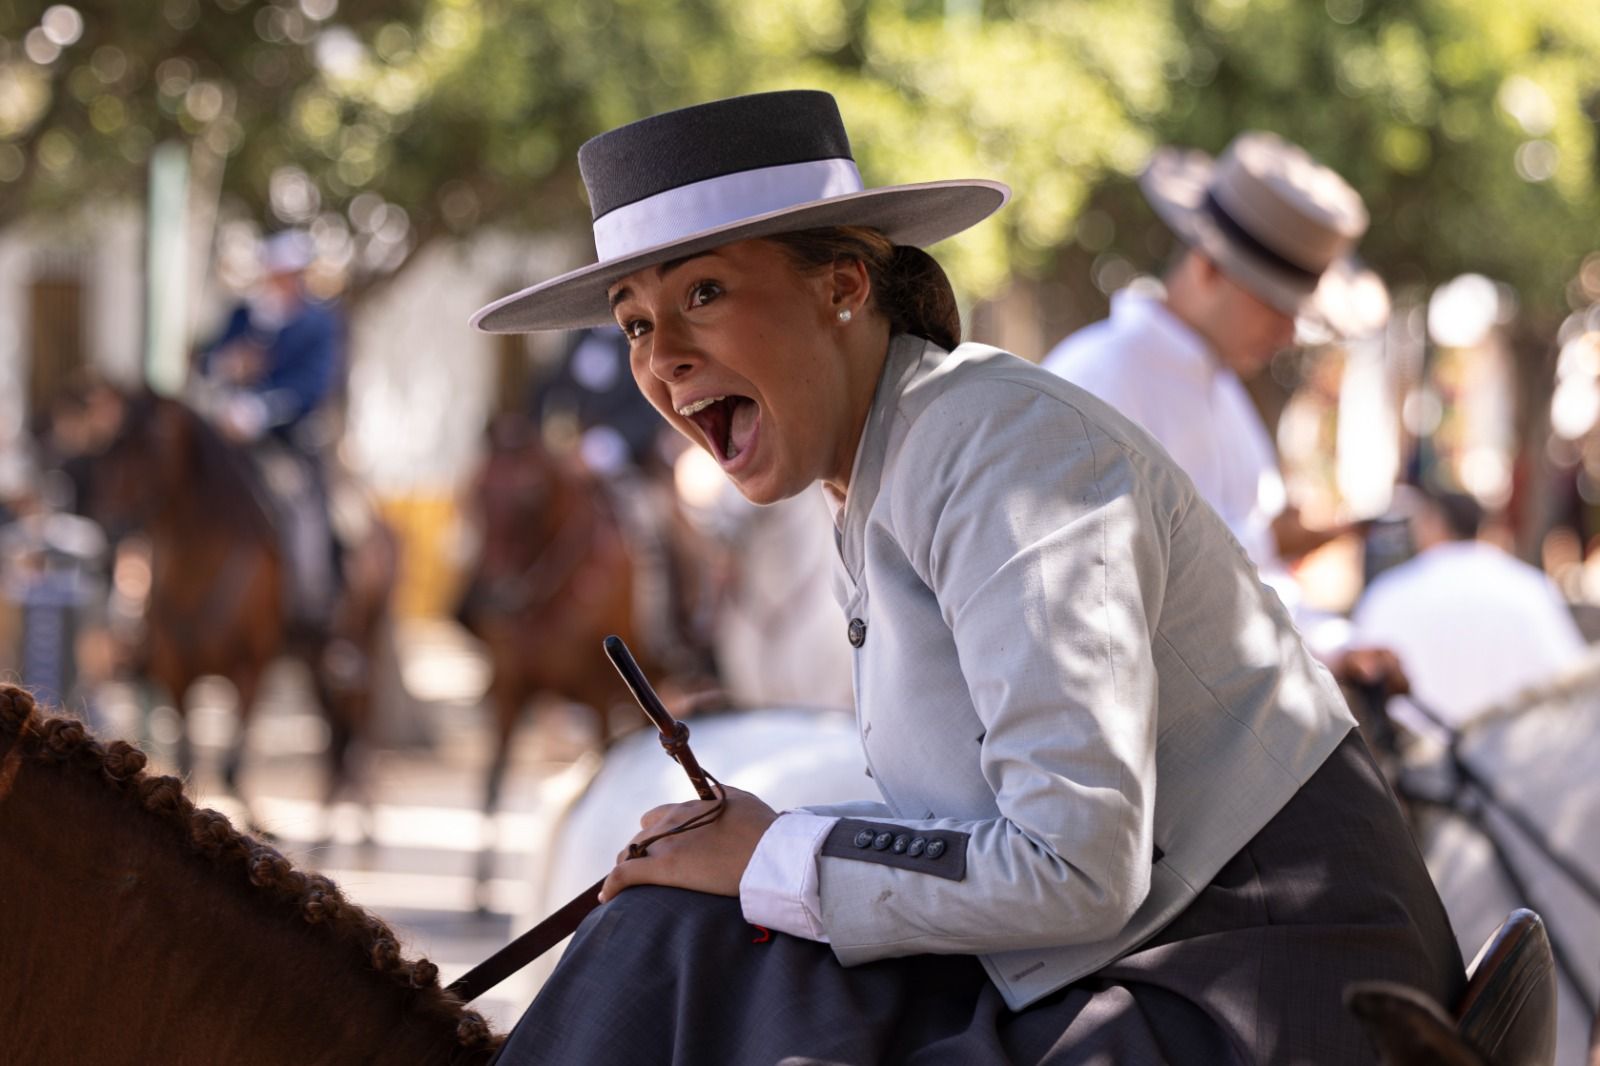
(753, 166)
(1277, 222)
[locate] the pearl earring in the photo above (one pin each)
(844, 314)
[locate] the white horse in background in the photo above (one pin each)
(779, 636)
(781, 640)
(1539, 751)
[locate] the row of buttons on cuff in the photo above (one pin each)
(900, 845)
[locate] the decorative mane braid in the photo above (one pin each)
(318, 901)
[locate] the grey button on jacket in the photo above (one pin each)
(1070, 661)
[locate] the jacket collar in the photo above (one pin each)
(904, 362)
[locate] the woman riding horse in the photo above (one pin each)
(1124, 817)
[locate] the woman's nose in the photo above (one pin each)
(672, 356)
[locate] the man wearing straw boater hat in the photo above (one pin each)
(1269, 235)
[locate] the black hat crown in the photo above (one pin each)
(644, 158)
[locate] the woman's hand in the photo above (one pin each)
(710, 859)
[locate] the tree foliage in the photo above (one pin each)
(1467, 124)
(467, 114)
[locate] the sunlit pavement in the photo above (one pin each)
(425, 781)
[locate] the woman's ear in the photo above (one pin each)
(851, 287)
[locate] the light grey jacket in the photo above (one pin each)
(1067, 668)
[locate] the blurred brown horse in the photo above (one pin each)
(137, 928)
(553, 579)
(216, 600)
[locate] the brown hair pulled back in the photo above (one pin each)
(908, 285)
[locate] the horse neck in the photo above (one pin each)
(120, 942)
(192, 543)
(210, 486)
(574, 502)
(207, 522)
(183, 528)
(568, 512)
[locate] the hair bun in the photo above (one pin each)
(918, 298)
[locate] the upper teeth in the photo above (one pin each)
(699, 405)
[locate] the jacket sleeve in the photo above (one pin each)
(237, 326)
(1048, 560)
(850, 809)
(307, 361)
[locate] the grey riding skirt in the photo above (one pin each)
(1331, 891)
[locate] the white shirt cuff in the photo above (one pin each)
(779, 888)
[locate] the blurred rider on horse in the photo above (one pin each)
(267, 379)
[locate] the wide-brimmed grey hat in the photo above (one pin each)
(692, 180)
(1276, 221)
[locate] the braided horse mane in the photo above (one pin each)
(33, 742)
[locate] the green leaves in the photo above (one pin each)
(1469, 125)
(1463, 122)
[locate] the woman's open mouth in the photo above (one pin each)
(728, 424)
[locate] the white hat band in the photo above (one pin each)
(676, 213)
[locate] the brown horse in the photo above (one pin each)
(216, 600)
(553, 579)
(139, 928)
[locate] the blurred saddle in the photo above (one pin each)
(1506, 1017)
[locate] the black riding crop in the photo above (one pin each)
(674, 736)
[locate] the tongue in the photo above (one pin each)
(741, 426)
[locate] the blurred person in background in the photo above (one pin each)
(1268, 237)
(591, 393)
(270, 374)
(1473, 624)
(83, 419)
(13, 503)
(53, 556)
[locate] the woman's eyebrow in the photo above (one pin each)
(661, 272)
(673, 264)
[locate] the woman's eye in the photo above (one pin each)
(635, 328)
(703, 293)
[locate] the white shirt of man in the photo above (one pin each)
(1472, 624)
(1148, 364)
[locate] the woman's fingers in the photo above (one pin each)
(618, 879)
(654, 868)
(653, 823)
(670, 814)
(656, 814)
(710, 858)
